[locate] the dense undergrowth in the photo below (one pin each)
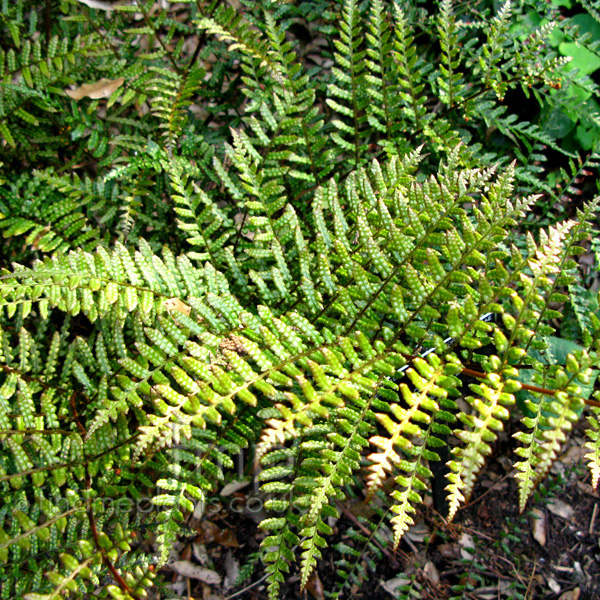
(338, 236)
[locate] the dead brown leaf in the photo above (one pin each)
(571, 595)
(98, 4)
(210, 532)
(187, 568)
(314, 586)
(103, 88)
(467, 544)
(177, 304)
(417, 533)
(538, 525)
(394, 586)
(560, 509)
(232, 570)
(430, 571)
(234, 486)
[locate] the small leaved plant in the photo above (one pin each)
(231, 240)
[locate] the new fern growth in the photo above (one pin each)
(243, 248)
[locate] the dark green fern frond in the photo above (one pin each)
(346, 94)
(230, 27)
(172, 95)
(300, 230)
(411, 71)
(449, 80)
(32, 80)
(364, 547)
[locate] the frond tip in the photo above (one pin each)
(593, 445)
(343, 254)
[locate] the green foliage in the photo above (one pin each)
(225, 243)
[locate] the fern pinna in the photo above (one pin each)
(305, 276)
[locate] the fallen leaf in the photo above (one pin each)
(573, 455)
(560, 509)
(199, 509)
(360, 508)
(418, 533)
(448, 551)
(232, 570)
(571, 595)
(209, 532)
(240, 219)
(314, 586)
(466, 543)
(103, 88)
(187, 568)
(553, 585)
(587, 489)
(485, 593)
(234, 486)
(200, 553)
(538, 525)
(430, 571)
(177, 304)
(99, 4)
(186, 553)
(394, 586)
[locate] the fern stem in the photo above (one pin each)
(34, 431)
(530, 388)
(107, 562)
(202, 38)
(371, 534)
(247, 588)
(150, 25)
(44, 525)
(74, 463)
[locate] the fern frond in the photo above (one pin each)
(489, 411)
(323, 476)
(207, 227)
(593, 445)
(208, 260)
(347, 95)
(362, 550)
(449, 78)
(172, 94)
(229, 27)
(548, 427)
(493, 51)
(411, 70)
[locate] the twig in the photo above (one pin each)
(161, 42)
(201, 39)
(248, 587)
(593, 521)
(531, 580)
(530, 388)
(485, 493)
(478, 533)
(107, 562)
(80, 426)
(514, 568)
(363, 528)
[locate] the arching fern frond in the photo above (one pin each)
(326, 253)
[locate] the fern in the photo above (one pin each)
(239, 249)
